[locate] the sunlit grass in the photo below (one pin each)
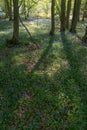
(44, 88)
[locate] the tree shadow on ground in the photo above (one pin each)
(40, 101)
(44, 55)
(13, 84)
(77, 60)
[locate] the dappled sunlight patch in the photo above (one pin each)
(36, 30)
(81, 28)
(3, 33)
(65, 63)
(54, 60)
(44, 109)
(44, 89)
(32, 61)
(27, 58)
(30, 66)
(53, 68)
(19, 59)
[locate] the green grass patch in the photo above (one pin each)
(46, 88)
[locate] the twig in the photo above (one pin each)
(26, 29)
(21, 3)
(28, 32)
(82, 42)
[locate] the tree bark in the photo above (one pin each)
(63, 16)
(24, 9)
(85, 8)
(6, 10)
(79, 10)
(16, 22)
(84, 39)
(52, 18)
(9, 8)
(75, 16)
(68, 13)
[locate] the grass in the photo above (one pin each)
(5, 25)
(43, 89)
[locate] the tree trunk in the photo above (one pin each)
(63, 17)
(83, 17)
(9, 8)
(79, 10)
(75, 16)
(52, 18)
(85, 8)
(24, 9)
(6, 10)
(15, 38)
(68, 13)
(84, 39)
(57, 8)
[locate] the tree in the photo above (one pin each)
(85, 11)
(57, 7)
(63, 16)
(24, 8)
(84, 39)
(79, 10)
(68, 13)
(75, 16)
(9, 8)
(52, 18)
(15, 38)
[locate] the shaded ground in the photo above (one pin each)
(43, 89)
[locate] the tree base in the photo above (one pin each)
(51, 33)
(10, 19)
(62, 30)
(72, 31)
(12, 42)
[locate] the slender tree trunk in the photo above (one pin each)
(68, 13)
(85, 8)
(75, 16)
(9, 8)
(84, 39)
(52, 18)
(79, 10)
(83, 17)
(23, 6)
(24, 9)
(16, 22)
(63, 17)
(57, 7)
(6, 10)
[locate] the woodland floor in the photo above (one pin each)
(46, 88)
